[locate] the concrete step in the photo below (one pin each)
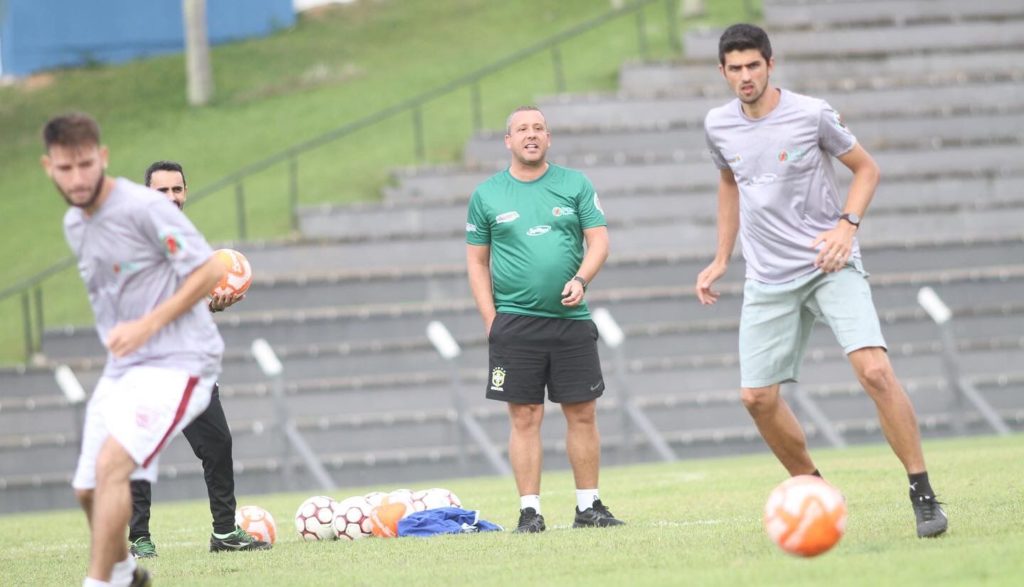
(445, 217)
(608, 112)
(364, 316)
(876, 40)
(823, 15)
(810, 74)
(574, 148)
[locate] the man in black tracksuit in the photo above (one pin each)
(208, 434)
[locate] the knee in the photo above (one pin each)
(527, 417)
(878, 378)
(581, 414)
(759, 399)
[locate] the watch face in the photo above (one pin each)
(853, 218)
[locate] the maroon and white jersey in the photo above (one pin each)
(133, 254)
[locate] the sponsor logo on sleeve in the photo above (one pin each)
(840, 123)
(597, 203)
(470, 227)
(174, 245)
(506, 217)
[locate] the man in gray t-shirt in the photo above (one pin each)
(146, 270)
(777, 190)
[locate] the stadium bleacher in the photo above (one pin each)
(931, 88)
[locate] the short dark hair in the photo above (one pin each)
(530, 108)
(164, 166)
(74, 129)
(741, 37)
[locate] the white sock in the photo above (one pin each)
(90, 582)
(123, 571)
(529, 501)
(585, 498)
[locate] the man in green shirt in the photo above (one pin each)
(529, 274)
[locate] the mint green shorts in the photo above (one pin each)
(776, 321)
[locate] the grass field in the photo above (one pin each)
(334, 67)
(690, 523)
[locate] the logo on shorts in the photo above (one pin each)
(498, 379)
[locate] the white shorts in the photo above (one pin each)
(142, 410)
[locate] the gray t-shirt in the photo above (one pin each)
(788, 190)
(133, 254)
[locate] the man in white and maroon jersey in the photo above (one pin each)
(147, 271)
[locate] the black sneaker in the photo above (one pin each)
(143, 548)
(595, 516)
(530, 522)
(141, 578)
(237, 540)
(931, 520)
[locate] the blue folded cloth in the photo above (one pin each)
(444, 521)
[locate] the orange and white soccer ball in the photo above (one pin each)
(256, 521)
(805, 515)
(384, 518)
(239, 276)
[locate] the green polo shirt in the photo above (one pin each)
(535, 231)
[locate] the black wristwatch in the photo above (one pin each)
(851, 218)
(582, 281)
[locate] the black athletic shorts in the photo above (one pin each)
(528, 353)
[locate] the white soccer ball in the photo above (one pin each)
(402, 496)
(352, 518)
(314, 519)
(437, 497)
(375, 497)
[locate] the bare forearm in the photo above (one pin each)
(483, 294)
(728, 221)
(862, 190)
(195, 287)
(596, 254)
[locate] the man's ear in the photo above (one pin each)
(45, 161)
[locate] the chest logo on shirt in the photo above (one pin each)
(126, 267)
(735, 159)
(538, 230)
(506, 217)
(792, 155)
(556, 211)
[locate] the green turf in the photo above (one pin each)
(690, 523)
(335, 67)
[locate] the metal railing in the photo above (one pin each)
(31, 292)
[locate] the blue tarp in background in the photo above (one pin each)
(36, 35)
